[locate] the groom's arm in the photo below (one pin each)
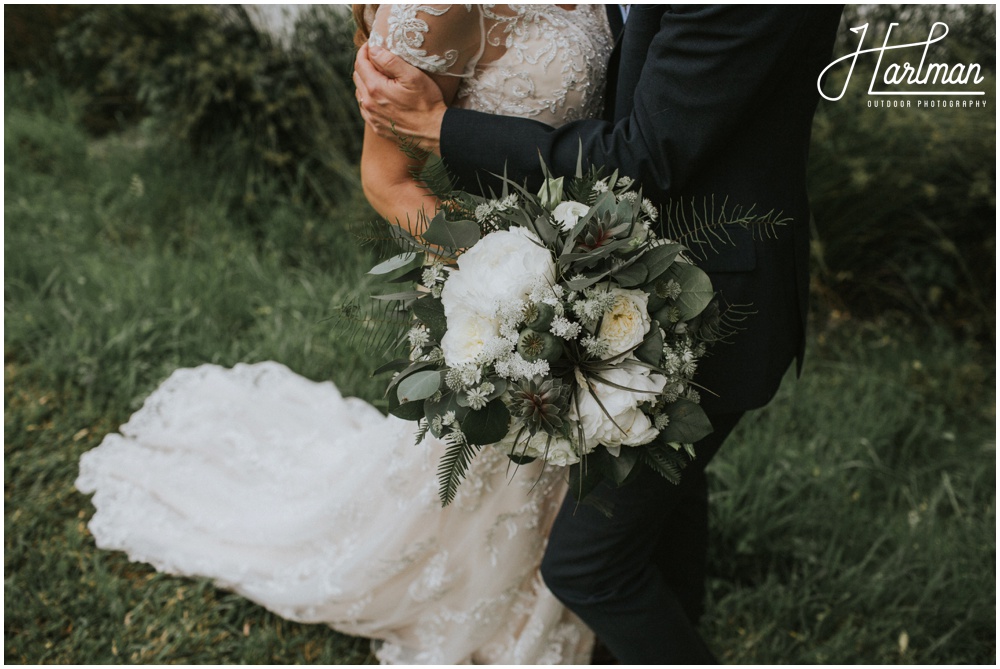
(705, 69)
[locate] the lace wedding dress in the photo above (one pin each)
(317, 506)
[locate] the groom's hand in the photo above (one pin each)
(397, 99)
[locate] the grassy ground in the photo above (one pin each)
(853, 519)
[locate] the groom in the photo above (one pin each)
(701, 101)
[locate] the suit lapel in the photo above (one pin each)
(614, 13)
(642, 25)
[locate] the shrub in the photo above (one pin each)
(206, 75)
(905, 201)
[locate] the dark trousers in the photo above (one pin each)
(638, 578)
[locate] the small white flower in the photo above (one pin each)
(477, 398)
(650, 209)
(419, 337)
(432, 274)
(597, 348)
(484, 210)
(515, 368)
(625, 182)
(508, 202)
(601, 186)
(565, 328)
(670, 290)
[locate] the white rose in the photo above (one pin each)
(627, 323)
(622, 405)
(567, 214)
(500, 267)
(466, 336)
(559, 451)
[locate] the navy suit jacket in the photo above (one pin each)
(702, 101)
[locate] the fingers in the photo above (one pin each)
(388, 63)
(363, 73)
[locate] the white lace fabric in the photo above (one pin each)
(317, 506)
(535, 61)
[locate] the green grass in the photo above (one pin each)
(853, 519)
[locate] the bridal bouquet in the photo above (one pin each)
(566, 330)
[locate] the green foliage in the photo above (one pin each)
(904, 199)
(122, 263)
(30, 32)
(284, 115)
(853, 519)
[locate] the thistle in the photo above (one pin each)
(540, 404)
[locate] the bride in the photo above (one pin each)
(315, 505)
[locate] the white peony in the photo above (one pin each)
(627, 322)
(467, 335)
(567, 214)
(500, 267)
(561, 451)
(622, 405)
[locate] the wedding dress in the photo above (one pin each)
(317, 506)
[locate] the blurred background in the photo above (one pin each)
(181, 186)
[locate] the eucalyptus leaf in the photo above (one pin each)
(659, 258)
(410, 369)
(451, 234)
(586, 281)
(418, 386)
(688, 423)
(411, 275)
(651, 349)
(447, 402)
(631, 275)
(406, 411)
(696, 289)
(488, 425)
(393, 263)
(396, 365)
(430, 311)
(399, 297)
(619, 468)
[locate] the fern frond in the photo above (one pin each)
(436, 178)
(429, 170)
(716, 323)
(381, 236)
(665, 461)
(707, 225)
(381, 326)
(422, 426)
(454, 463)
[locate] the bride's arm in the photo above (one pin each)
(445, 41)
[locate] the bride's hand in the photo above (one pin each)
(397, 99)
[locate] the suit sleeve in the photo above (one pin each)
(706, 66)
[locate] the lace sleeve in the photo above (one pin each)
(439, 39)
